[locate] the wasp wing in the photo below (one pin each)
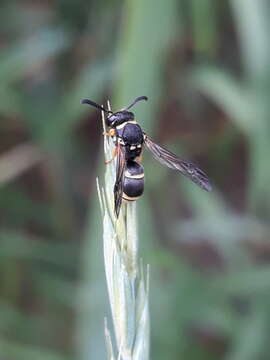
(167, 158)
(120, 172)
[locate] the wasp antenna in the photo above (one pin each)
(92, 103)
(135, 101)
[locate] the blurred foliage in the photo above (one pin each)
(205, 66)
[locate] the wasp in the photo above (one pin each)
(129, 140)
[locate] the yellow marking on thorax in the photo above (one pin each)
(119, 127)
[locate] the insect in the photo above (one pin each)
(129, 140)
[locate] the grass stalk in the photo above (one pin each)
(125, 275)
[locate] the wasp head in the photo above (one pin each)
(119, 118)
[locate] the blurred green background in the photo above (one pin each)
(205, 66)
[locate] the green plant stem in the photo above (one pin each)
(127, 288)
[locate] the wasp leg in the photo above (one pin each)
(114, 154)
(111, 132)
(139, 158)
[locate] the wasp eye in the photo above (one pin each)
(110, 120)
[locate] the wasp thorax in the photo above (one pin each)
(119, 118)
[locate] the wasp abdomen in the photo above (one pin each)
(133, 185)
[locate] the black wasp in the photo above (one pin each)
(129, 140)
